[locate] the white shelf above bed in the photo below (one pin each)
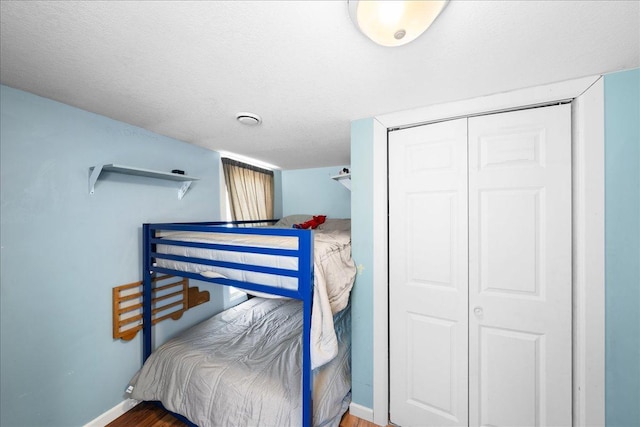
(344, 179)
(95, 171)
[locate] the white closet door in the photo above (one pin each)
(428, 275)
(520, 268)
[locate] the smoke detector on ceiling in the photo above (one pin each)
(249, 119)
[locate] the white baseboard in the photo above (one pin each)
(113, 413)
(354, 409)
(361, 412)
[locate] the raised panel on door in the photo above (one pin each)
(428, 275)
(514, 402)
(520, 268)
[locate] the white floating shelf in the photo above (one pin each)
(344, 179)
(95, 171)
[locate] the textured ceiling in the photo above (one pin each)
(184, 69)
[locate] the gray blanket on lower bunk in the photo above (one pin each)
(243, 368)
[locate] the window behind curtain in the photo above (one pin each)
(250, 190)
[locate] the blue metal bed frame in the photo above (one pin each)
(304, 274)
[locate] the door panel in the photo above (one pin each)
(428, 270)
(520, 268)
(431, 215)
(511, 263)
(514, 403)
(429, 364)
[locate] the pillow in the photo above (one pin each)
(289, 220)
(336, 225)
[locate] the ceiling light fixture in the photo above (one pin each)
(249, 119)
(394, 22)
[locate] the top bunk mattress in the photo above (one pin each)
(331, 255)
(334, 272)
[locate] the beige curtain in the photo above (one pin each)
(250, 190)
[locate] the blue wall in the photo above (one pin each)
(62, 250)
(622, 248)
(622, 241)
(313, 192)
(362, 252)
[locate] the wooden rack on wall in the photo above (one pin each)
(172, 296)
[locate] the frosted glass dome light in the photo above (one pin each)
(394, 22)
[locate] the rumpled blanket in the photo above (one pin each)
(334, 274)
(243, 367)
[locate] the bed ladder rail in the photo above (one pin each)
(171, 298)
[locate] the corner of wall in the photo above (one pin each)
(622, 248)
(362, 251)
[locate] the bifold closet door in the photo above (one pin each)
(520, 268)
(428, 269)
(480, 303)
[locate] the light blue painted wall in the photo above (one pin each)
(312, 191)
(622, 141)
(622, 248)
(62, 250)
(362, 253)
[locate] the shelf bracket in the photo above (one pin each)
(344, 179)
(94, 173)
(183, 189)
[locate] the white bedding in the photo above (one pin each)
(334, 273)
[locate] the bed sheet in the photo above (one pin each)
(243, 368)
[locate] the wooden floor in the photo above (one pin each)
(146, 414)
(149, 415)
(351, 421)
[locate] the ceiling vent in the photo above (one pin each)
(249, 119)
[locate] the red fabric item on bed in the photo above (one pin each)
(312, 223)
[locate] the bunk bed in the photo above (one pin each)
(301, 280)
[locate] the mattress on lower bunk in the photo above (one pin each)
(243, 367)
